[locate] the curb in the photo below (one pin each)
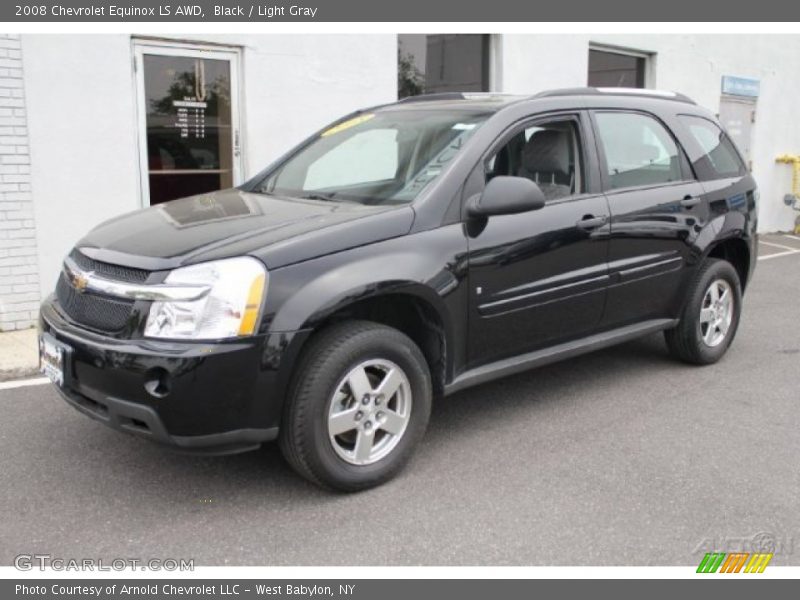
(21, 373)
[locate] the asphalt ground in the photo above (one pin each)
(620, 457)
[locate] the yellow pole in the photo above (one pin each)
(793, 160)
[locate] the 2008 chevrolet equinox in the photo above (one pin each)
(405, 252)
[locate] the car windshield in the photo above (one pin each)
(385, 157)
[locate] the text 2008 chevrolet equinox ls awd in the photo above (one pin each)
(405, 252)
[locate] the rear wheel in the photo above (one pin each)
(711, 315)
(359, 406)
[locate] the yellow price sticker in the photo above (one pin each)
(347, 124)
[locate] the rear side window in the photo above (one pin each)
(717, 150)
(639, 150)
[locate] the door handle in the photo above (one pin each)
(591, 222)
(690, 201)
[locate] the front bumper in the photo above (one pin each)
(211, 398)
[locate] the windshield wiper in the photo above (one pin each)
(327, 197)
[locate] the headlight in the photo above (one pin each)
(229, 309)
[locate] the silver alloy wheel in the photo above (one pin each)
(369, 412)
(716, 312)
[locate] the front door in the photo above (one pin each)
(539, 277)
(188, 120)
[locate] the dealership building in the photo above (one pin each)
(93, 126)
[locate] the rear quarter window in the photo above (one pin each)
(715, 153)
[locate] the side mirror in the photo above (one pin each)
(506, 196)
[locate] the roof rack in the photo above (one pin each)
(616, 91)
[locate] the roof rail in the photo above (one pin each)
(616, 91)
(438, 96)
(457, 96)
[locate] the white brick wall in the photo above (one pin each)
(19, 277)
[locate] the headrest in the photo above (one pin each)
(547, 151)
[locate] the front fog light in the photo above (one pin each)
(229, 309)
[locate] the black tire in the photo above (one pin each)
(331, 355)
(685, 341)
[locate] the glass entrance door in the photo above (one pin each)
(188, 121)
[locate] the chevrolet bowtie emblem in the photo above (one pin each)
(78, 280)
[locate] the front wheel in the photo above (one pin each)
(711, 315)
(359, 406)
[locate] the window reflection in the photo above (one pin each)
(199, 210)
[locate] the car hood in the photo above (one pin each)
(232, 223)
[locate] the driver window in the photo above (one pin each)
(547, 153)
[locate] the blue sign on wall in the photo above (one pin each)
(740, 86)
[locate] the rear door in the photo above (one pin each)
(540, 277)
(657, 208)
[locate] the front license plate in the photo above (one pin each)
(51, 358)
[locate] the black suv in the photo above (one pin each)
(405, 252)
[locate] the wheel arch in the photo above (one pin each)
(736, 251)
(410, 312)
(413, 308)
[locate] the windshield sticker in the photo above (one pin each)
(464, 126)
(347, 124)
(435, 166)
